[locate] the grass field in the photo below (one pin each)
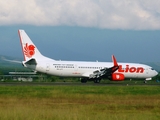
(80, 102)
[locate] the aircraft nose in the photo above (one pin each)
(156, 73)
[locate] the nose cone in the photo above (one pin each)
(153, 72)
(156, 73)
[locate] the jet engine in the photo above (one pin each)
(117, 77)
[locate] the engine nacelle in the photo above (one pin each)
(117, 77)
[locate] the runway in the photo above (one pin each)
(71, 84)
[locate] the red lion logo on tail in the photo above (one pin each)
(29, 50)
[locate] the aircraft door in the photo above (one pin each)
(47, 67)
(75, 67)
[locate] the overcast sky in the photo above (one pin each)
(84, 29)
(110, 14)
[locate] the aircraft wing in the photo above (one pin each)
(106, 71)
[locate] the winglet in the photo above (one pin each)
(114, 61)
(115, 64)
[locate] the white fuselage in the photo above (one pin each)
(85, 69)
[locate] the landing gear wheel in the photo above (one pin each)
(97, 81)
(145, 81)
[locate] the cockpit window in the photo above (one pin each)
(152, 69)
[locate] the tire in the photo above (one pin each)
(97, 81)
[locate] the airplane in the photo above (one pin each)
(86, 71)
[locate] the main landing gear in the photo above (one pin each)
(84, 80)
(97, 80)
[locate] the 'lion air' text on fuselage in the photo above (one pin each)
(129, 69)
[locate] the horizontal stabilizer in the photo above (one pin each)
(31, 62)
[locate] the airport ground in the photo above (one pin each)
(77, 101)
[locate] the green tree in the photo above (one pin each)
(1, 73)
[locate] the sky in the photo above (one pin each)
(86, 30)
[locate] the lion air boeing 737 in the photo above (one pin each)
(95, 71)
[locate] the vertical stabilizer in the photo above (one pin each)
(28, 48)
